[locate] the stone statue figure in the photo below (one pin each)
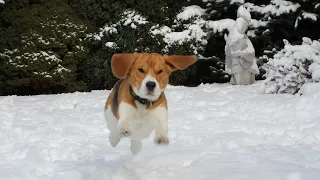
(240, 53)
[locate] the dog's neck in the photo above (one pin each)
(143, 101)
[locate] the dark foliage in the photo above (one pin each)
(46, 47)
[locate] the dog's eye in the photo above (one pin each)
(160, 71)
(141, 70)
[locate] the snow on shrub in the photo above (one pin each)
(129, 18)
(276, 7)
(190, 11)
(195, 28)
(292, 67)
(192, 33)
(36, 53)
(188, 28)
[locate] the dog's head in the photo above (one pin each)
(148, 73)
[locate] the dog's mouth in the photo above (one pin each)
(146, 94)
(150, 93)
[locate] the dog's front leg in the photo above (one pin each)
(161, 130)
(127, 113)
(124, 128)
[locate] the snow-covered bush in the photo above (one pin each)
(43, 53)
(129, 33)
(133, 32)
(181, 34)
(33, 31)
(292, 67)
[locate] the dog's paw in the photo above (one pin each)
(124, 129)
(124, 133)
(161, 140)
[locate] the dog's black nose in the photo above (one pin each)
(150, 85)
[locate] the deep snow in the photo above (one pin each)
(216, 131)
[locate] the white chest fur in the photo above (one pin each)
(141, 120)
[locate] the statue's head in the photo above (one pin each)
(243, 19)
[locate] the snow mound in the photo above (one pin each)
(314, 69)
(310, 89)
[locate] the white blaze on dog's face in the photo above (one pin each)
(149, 88)
(147, 73)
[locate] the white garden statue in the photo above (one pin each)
(240, 54)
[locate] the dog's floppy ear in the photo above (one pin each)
(121, 64)
(175, 62)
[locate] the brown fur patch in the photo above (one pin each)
(121, 63)
(179, 62)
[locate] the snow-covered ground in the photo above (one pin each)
(216, 131)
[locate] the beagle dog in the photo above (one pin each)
(137, 104)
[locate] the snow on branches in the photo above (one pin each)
(292, 67)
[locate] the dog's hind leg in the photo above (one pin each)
(114, 139)
(136, 146)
